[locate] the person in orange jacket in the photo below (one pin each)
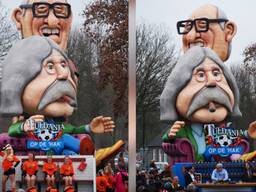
(110, 178)
(67, 171)
(49, 168)
(30, 167)
(51, 189)
(69, 189)
(32, 189)
(10, 161)
(101, 182)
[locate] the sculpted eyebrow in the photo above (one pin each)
(63, 60)
(49, 60)
(216, 68)
(199, 69)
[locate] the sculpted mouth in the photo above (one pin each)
(212, 106)
(200, 44)
(48, 32)
(68, 99)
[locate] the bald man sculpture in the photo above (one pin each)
(208, 26)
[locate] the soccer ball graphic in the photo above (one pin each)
(45, 135)
(223, 140)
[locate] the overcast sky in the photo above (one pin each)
(168, 12)
(77, 8)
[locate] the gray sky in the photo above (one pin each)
(168, 12)
(77, 8)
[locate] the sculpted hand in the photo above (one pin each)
(252, 130)
(29, 124)
(175, 128)
(102, 124)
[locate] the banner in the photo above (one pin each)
(223, 141)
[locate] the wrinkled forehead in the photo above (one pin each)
(209, 12)
(49, 1)
(57, 54)
(207, 64)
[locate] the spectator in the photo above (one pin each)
(49, 168)
(198, 177)
(190, 175)
(155, 182)
(67, 172)
(190, 179)
(121, 161)
(219, 174)
(122, 180)
(165, 174)
(110, 178)
(10, 161)
(141, 179)
(175, 186)
(30, 168)
(167, 186)
(101, 182)
(32, 189)
(250, 174)
(111, 164)
(153, 164)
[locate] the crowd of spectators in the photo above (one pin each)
(155, 180)
(113, 178)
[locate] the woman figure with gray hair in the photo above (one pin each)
(10, 161)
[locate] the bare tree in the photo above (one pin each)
(92, 101)
(246, 83)
(156, 55)
(107, 23)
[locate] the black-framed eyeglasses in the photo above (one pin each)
(42, 9)
(201, 25)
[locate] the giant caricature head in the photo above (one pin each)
(208, 26)
(50, 18)
(37, 80)
(200, 89)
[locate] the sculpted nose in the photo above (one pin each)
(62, 73)
(52, 20)
(192, 34)
(211, 81)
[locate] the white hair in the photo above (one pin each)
(24, 2)
(222, 15)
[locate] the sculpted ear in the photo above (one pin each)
(230, 30)
(16, 17)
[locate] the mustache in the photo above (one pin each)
(206, 95)
(56, 90)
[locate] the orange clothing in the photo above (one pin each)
(32, 189)
(49, 168)
(8, 161)
(111, 181)
(67, 170)
(30, 167)
(69, 189)
(101, 184)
